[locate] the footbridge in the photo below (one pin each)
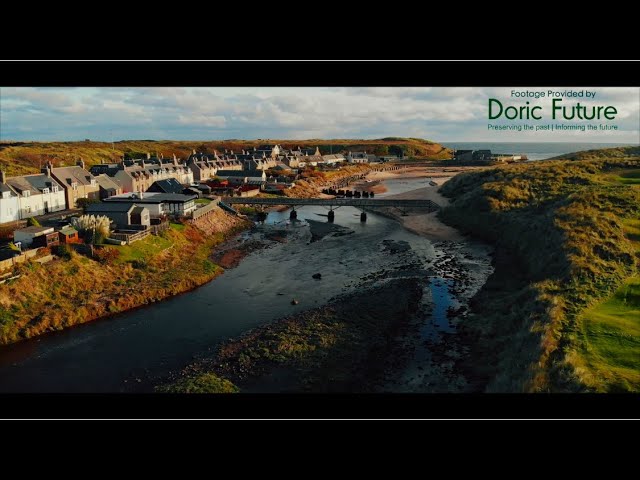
(334, 203)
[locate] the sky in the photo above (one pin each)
(217, 113)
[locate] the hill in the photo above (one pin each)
(18, 158)
(561, 311)
(604, 153)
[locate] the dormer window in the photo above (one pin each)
(45, 190)
(26, 193)
(55, 189)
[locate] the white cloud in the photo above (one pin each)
(436, 113)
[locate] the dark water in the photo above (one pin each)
(534, 151)
(138, 347)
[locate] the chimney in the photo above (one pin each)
(193, 152)
(3, 177)
(161, 156)
(141, 195)
(175, 159)
(148, 155)
(80, 163)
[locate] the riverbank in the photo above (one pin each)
(556, 314)
(77, 289)
(338, 347)
(420, 350)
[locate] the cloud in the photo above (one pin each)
(436, 113)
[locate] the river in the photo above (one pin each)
(134, 350)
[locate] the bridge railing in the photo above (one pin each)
(335, 202)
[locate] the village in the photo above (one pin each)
(120, 203)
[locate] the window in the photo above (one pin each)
(93, 182)
(74, 185)
(55, 189)
(26, 193)
(45, 191)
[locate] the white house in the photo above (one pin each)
(9, 207)
(35, 195)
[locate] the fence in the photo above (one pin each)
(10, 262)
(158, 229)
(130, 237)
(202, 211)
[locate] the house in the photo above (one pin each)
(159, 204)
(68, 234)
(9, 207)
(203, 166)
(123, 215)
(35, 194)
(357, 157)
(28, 235)
(482, 156)
(237, 177)
(168, 185)
(463, 155)
(108, 186)
(387, 158)
(333, 158)
(139, 175)
(76, 181)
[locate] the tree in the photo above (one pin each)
(32, 222)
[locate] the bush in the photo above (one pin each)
(106, 255)
(32, 222)
(63, 251)
(205, 383)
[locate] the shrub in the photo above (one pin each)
(32, 222)
(205, 383)
(63, 251)
(106, 255)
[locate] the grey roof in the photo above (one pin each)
(109, 207)
(68, 175)
(5, 188)
(106, 182)
(34, 183)
(35, 230)
(168, 185)
(151, 198)
(139, 210)
(239, 173)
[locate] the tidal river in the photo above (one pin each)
(135, 350)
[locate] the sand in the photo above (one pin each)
(425, 224)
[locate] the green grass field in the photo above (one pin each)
(146, 248)
(608, 358)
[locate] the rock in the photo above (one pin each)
(317, 276)
(294, 302)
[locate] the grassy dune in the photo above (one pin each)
(18, 158)
(566, 263)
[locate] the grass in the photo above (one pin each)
(79, 289)
(607, 355)
(203, 201)
(205, 383)
(179, 227)
(20, 158)
(147, 248)
(566, 237)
